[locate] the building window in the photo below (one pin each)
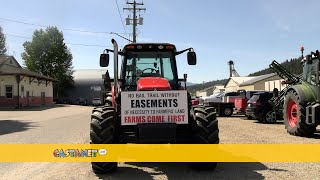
(22, 91)
(9, 92)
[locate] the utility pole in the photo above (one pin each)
(134, 9)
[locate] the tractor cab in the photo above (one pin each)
(149, 66)
(311, 68)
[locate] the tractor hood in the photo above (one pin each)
(153, 83)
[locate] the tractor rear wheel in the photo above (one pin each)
(102, 131)
(206, 131)
(294, 113)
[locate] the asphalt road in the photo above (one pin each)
(70, 124)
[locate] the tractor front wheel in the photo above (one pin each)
(294, 113)
(206, 131)
(102, 131)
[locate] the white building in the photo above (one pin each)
(20, 87)
(270, 85)
(234, 82)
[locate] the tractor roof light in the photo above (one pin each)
(139, 47)
(160, 47)
(169, 47)
(130, 47)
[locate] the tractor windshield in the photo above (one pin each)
(148, 64)
(311, 72)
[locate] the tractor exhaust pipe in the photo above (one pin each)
(115, 46)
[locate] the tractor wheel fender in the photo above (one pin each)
(301, 93)
(294, 114)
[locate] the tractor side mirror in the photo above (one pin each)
(104, 60)
(192, 58)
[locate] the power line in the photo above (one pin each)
(76, 44)
(124, 28)
(121, 36)
(65, 29)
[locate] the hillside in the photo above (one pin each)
(293, 65)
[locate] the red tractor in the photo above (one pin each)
(149, 104)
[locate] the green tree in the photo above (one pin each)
(47, 54)
(3, 48)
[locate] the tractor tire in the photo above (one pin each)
(226, 111)
(249, 117)
(102, 131)
(294, 114)
(270, 117)
(205, 131)
(108, 99)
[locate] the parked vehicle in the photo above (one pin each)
(240, 103)
(223, 102)
(259, 108)
(82, 101)
(221, 97)
(58, 101)
(96, 102)
(66, 101)
(195, 101)
(212, 98)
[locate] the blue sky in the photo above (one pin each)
(250, 32)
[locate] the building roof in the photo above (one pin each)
(9, 60)
(10, 66)
(212, 87)
(88, 76)
(208, 88)
(257, 79)
(239, 80)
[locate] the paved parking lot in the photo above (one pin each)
(70, 124)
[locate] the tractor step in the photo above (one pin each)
(313, 114)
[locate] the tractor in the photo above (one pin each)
(300, 100)
(148, 103)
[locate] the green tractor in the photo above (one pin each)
(300, 100)
(148, 103)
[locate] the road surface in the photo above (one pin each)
(70, 124)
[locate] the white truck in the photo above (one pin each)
(223, 102)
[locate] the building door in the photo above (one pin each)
(43, 98)
(28, 98)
